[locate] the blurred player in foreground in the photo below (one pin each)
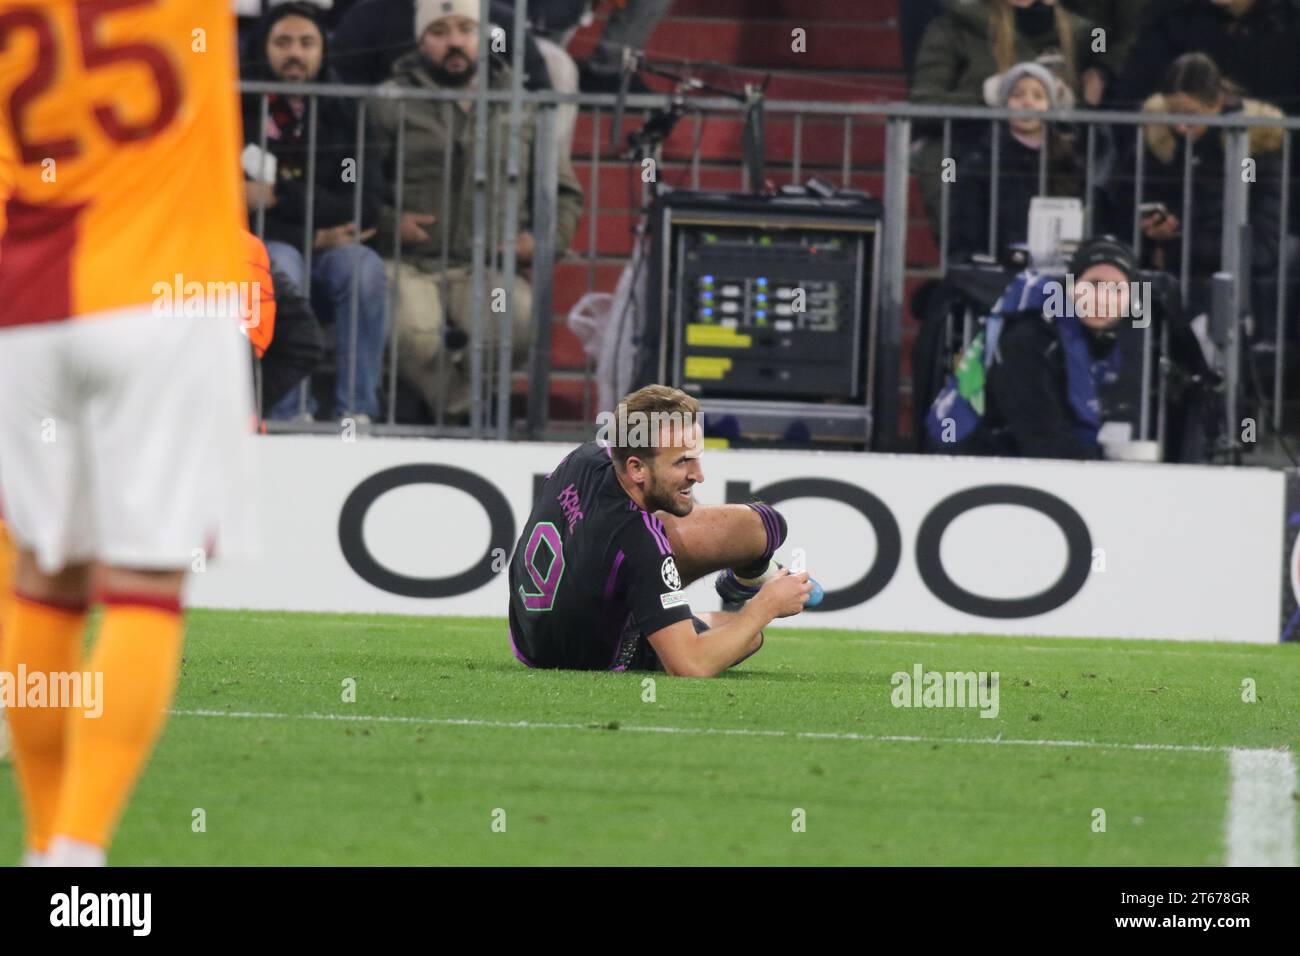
(615, 534)
(125, 395)
(6, 585)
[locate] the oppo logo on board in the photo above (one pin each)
(874, 579)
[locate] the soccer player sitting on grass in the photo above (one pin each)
(615, 534)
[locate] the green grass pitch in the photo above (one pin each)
(430, 754)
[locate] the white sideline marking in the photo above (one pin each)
(1261, 811)
(707, 731)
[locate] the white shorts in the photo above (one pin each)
(126, 439)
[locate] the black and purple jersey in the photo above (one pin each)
(591, 573)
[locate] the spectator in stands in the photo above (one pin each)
(1193, 84)
(251, 12)
(1254, 43)
(293, 50)
(374, 34)
(972, 42)
(1046, 363)
(1026, 86)
(433, 303)
(296, 346)
(914, 17)
(1118, 19)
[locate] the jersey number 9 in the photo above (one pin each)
(543, 599)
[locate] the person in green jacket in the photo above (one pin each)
(434, 310)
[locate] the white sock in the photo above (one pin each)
(65, 851)
(772, 568)
(33, 858)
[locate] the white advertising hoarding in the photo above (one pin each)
(899, 542)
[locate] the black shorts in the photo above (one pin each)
(639, 654)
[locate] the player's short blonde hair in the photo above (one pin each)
(659, 405)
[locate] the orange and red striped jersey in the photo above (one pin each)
(120, 135)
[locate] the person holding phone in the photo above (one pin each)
(1194, 85)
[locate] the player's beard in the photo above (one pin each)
(664, 497)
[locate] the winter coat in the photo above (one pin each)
(1257, 50)
(972, 193)
(1120, 19)
(956, 54)
(336, 173)
(425, 153)
(1029, 412)
(1163, 182)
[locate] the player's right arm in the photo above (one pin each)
(685, 653)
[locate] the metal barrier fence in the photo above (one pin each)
(495, 230)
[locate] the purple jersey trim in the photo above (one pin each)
(657, 531)
(613, 574)
(610, 583)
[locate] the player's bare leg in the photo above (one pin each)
(138, 653)
(716, 537)
(43, 630)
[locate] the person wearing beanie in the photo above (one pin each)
(292, 48)
(1026, 86)
(1038, 386)
(374, 34)
(1058, 352)
(434, 318)
(973, 40)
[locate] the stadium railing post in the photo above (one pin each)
(506, 331)
(1283, 254)
(1235, 216)
(893, 262)
(478, 256)
(395, 297)
(945, 204)
(354, 299)
(544, 195)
